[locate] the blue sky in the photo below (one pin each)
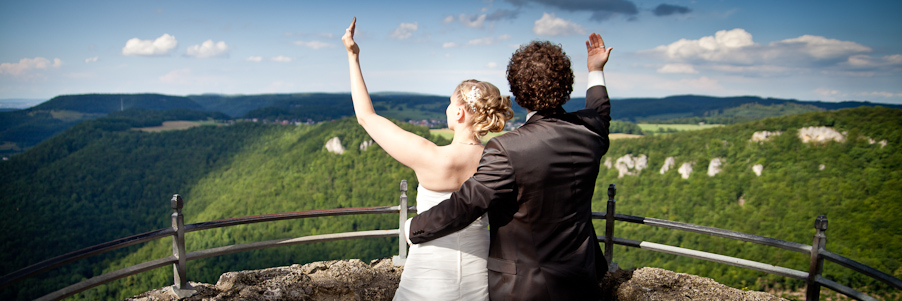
(806, 50)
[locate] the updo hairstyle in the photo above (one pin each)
(484, 102)
(539, 75)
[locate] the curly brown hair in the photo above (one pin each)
(539, 75)
(490, 110)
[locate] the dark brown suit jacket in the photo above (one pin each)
(536, 183)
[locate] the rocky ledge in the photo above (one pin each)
(355, 280)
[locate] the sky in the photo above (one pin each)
(825, 50)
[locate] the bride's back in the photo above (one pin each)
(453, 164)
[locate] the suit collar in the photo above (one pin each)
(545, 113)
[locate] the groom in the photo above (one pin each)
(536, 183)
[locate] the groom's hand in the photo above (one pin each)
(598, 55)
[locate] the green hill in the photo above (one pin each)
(23, 129)
(100, 180)
(855, 183)
(719, 109)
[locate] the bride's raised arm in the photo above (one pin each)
(411, 150)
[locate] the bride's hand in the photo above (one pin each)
(348, 39)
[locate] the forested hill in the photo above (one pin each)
(22, 129)
(748, 108)
(100, 181)
(770, 177)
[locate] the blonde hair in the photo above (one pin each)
(484, 102)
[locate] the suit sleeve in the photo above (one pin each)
(492, 184)
(597, 99)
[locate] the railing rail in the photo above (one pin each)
(813, 277)
(180, 257)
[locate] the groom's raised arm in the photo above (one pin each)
(492, 185)
(597, 94)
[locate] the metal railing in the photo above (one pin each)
(180, 256)
(813, 278)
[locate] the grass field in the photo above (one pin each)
(647, 127)
(171, 125)
(448, 134)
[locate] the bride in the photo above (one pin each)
(452, 267)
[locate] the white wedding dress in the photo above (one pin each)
(452, 267)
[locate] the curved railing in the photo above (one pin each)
(180, 257)
(814, 279)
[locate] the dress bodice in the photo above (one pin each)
(427, 198)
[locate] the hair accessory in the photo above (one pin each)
(472, 96)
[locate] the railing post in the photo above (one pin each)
(816, 265)
(609, 229)
(402, 220)
(180, 288)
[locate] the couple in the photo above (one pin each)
(510, 220)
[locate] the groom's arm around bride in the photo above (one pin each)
(537, 182)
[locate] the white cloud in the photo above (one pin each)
(472, 21)
(209, 49)
(404, 31)
(724, 46)
(677, 68)
(92, 59)
(314, 44)
(25, 65)
(449, 45)
(820, 47)
(254, 59)
(866, 61)
(735, 51)
(448, 19)
(549, 25)
(282, 59)
(161, 46)
(492, 65)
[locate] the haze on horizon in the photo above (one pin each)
(828, 51)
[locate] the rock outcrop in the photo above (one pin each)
(715, 167)
(660, 284)
(366, 144)
(668, 164)
(820, 134)
(334, 146)
(325, 280)
(629, 165)
(763, 135)
(757, 169)
(355, 280)
(685, 170)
